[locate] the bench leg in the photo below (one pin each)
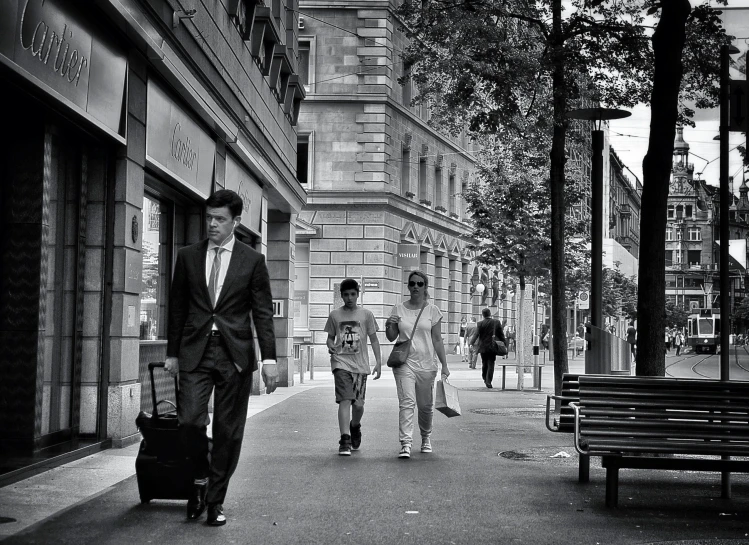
(612, 486)
(583, 474)
(725, 485)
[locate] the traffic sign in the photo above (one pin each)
(739, 106)
(583, 300)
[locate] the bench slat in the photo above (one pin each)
(685, 405)
(667, 413)
(670, 447)
(596, 425)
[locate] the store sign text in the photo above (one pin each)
(182, 150)
(72, 62)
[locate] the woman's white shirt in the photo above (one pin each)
(421, 356)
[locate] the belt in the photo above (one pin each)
(215, 333)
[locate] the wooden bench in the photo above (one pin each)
(652, 422)
(565, 421)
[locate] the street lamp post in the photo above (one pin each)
(596, 272)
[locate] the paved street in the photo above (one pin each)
(292, 487)
(691, 365)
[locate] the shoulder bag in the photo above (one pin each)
(399, 355)
(499, 347)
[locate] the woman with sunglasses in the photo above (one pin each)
(415, 379)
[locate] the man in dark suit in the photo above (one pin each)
(487, 331)
(217, 285)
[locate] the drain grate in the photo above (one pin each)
(514, 455)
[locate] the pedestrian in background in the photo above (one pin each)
(462, 338)
(632, 340)
(472, 353)
(414, 379)
(668, 340)
(487, 331)
(218, 284)
(348, 328)
(678, 342)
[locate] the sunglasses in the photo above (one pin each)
(411, 284)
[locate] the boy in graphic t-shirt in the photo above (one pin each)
(348, 328)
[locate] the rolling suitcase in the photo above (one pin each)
(162, 469)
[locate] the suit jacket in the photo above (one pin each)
(487, 328)
(246, 292)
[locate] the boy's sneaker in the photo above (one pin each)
(405, 451)
(355, 437)
(344, 445)
(426, 444)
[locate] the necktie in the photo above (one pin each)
(213, 278)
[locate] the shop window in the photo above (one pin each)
(152, 297)
(166, 227)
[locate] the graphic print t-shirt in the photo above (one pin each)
(351, 330)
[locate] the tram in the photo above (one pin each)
(703, 330)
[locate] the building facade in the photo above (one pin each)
(383, 186)
(622, 211)
(124, 116)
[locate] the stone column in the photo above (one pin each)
(280, 258)
(124, 343)
(439, 297)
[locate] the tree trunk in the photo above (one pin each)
(668, 44)
(520, 335)
(558, 208)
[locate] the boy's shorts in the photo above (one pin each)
(350, 386)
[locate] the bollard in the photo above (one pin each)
(536, 368)
(311, 361)
(301, 366)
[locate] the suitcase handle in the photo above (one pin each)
(151, 366)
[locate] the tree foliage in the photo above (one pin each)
(676, 315)
(516, 68)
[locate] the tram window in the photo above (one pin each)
(705, 326)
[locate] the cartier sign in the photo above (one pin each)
(176, 143)
(240, 180)
(56, 45)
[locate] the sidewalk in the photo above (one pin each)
(496, 476)
(52, 492)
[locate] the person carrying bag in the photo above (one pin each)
(489, 335)
(399, 355)
(415, 378)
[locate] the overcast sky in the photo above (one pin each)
(629, 136)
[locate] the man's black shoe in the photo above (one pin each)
(216, 515)
(196, 503)
(355, 437)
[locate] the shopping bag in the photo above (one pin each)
(447, 401)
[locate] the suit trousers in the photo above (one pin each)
(230, 402)
(415, 392)
(487, 366)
